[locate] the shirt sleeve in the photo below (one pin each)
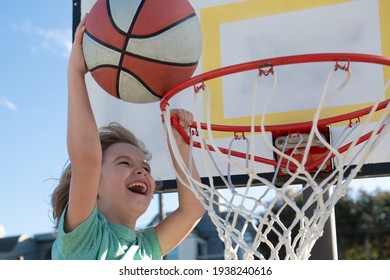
(80, 243)
(153, 245)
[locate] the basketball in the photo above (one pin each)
(137, 50)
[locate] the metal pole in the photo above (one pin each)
(326, 246)
(162, 214)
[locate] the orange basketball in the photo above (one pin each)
(137, 50)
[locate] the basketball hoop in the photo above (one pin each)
(273, 222)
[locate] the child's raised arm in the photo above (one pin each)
(83, 141)
(180, 223)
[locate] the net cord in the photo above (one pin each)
(310, 227)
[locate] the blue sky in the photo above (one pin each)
(34, 49)
(35, 45)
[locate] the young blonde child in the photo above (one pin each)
(108, 185)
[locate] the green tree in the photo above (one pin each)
(363, 226)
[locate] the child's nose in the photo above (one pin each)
(141, 170)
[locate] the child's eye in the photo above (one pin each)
(148, 169)
(124, 163)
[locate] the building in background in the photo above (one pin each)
(22, 247)
(203, 242)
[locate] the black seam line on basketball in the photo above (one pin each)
(139, 80)
(164, 29)
(186, 64)
(102, 42)
(123, 51)
(103, 66)
(127, 71)
(112, 19)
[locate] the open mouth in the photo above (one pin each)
(138, 187)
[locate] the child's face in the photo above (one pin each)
(126, 185)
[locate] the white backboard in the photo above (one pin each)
(240, 31)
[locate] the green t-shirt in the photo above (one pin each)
(97, 239)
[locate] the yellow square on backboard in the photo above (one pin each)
(320, 26)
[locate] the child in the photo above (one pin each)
(108, 185)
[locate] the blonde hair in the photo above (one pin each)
(111, 134)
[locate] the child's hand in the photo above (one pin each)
(185, 119)
(76, 60)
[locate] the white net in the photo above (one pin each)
(264, 217)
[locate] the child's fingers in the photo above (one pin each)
(81, 27)
(185, 117)
(83, 20)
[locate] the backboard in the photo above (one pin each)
(240, 31)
